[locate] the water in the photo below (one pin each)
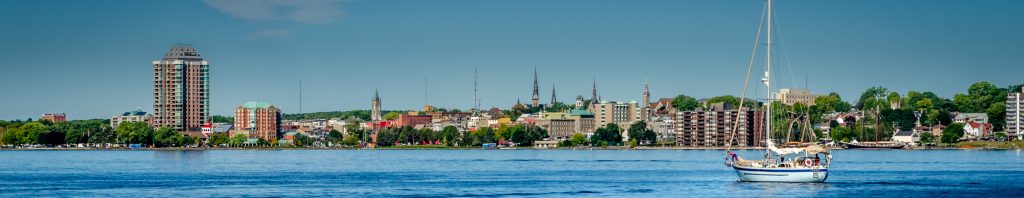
(492, 173)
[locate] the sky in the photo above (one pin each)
(92, 59)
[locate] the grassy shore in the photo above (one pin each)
(991, 145)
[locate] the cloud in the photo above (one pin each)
(302, 11)
(270, 33)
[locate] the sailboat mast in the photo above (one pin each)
(768, 78)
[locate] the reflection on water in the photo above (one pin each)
(491, 173)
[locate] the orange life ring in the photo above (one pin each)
(808, 162)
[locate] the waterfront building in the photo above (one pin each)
(793, 96)
(181, 90)
(257, 120)
(620, 113)
(712, 126)
(131, 116)
(560, 125)
(54, 117)
(970, 117)
(906, 137)
(1015, 115)
(411, 120)
(976, 130)
(375, 111)
(585, 122)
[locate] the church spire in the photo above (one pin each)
(554, 99)
(536, 89)
(593, 98)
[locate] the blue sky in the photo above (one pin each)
(91, 59)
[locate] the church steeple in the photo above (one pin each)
(536, 89)
(554, 99)
(375, 110)
(593, 98)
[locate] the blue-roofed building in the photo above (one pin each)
(132, 116)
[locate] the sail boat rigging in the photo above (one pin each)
(779, 164)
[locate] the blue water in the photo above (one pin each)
(492, 173)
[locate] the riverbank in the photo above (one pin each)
(960, 146)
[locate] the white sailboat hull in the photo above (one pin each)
(795, 175)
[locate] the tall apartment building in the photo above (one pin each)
(257, 120)
(712, 127)
(620, 113)
(131, 116)
(1015, 115)
(793, 96)
(181, 90)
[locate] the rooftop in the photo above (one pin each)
(256, 105)
(182, 52)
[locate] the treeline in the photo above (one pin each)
(519, 134)
(44, 132)
(611, 135)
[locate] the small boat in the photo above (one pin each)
(793, 162)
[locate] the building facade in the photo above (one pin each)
(1015, 115)
(793, 96)
(131, 116)
(181, 90)
(257, 120)
(405, 120)
(560, 125)
(54, 117)
(619, 113)
(713, 126)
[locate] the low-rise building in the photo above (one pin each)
(906, 137)
(257, 120)
(131, 116)
(409, 120)
(793, 96)
(54, 117)
(974, 130)
(970, 117)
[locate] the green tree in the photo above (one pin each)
(869, 99)
(335, 137)
(578, 139)
(35, 131)
(843, 134)
(391, 116)
(927, 138)
(222, 119)
(639, 131)
(103, 135)
(217, 139)
(449, 135)
(135, 133)
(983, 97)
(14, 136)
(165, 137)
(238, 139)
(350, 141)
(611, 134)
(685, 103)
(185, 140)
(952, 133)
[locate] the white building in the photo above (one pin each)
(1015, 115)
(907, 137)
(131, 116)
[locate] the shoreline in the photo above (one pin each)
(452, 148)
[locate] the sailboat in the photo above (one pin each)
(807, 164)
(876, 144)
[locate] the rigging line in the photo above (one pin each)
(746, 83)
(784, 51)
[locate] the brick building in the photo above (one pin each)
(181, 90)
(257, 120)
